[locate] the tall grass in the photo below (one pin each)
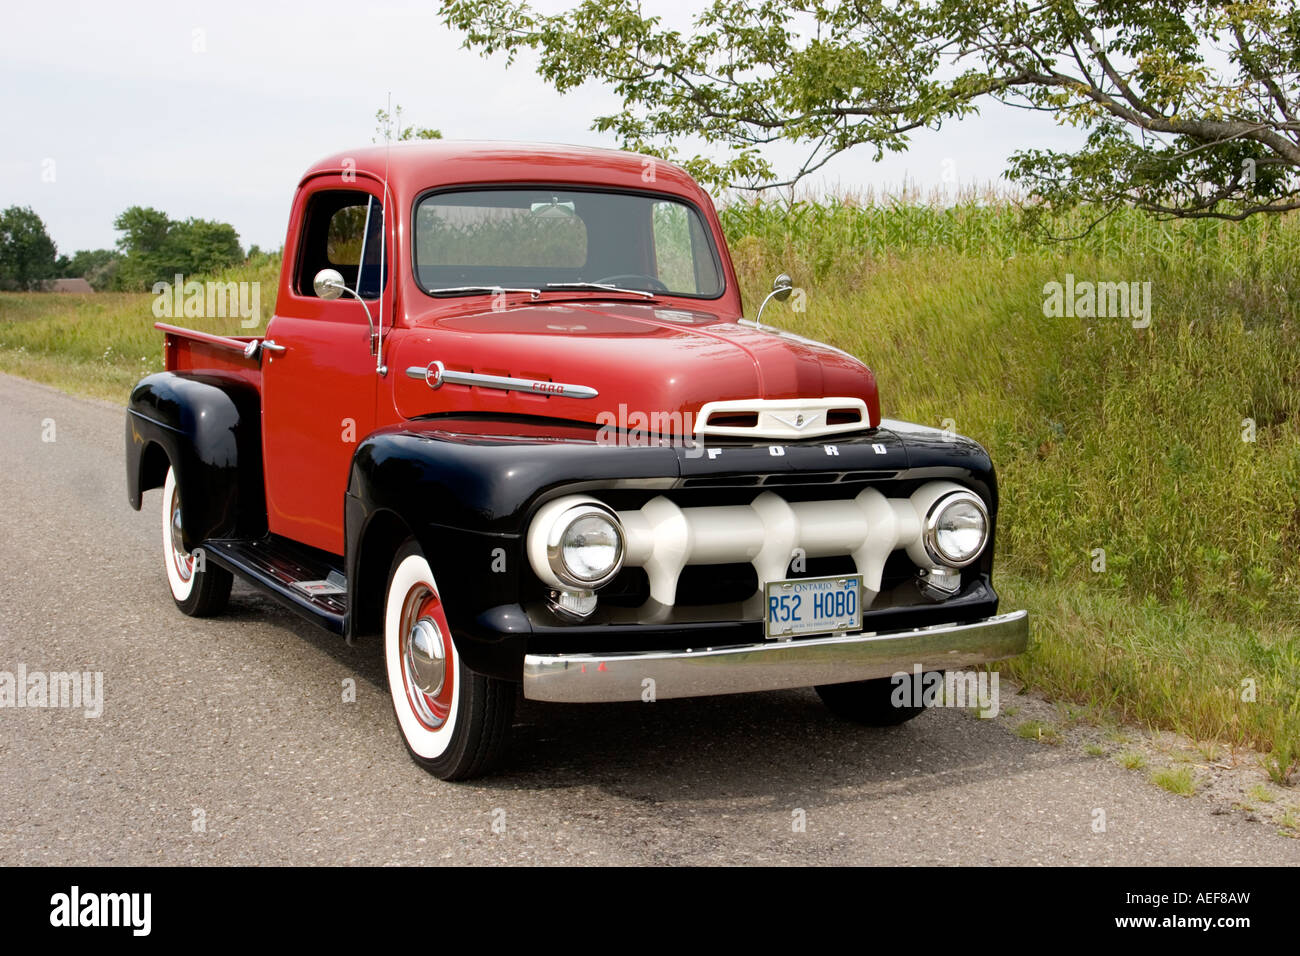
(832, 237)
(101, 344)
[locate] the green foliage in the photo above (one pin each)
(1282, 763)
(156, 248)
(841, 234)
(1037, 730)
(27, 253)
(1190, 111)
(203, 246)
(1177, 780)
(389, 128)
(1131, 760)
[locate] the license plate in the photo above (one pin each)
(813, 606)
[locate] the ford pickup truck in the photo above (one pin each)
(510, 418)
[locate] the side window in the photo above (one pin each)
(342, 230)
(345, 236)
(682, 251)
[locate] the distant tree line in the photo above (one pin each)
(152, 247)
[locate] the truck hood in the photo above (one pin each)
(639, 357)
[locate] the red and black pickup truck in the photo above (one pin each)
(508, 415)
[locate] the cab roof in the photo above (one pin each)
(414, 166)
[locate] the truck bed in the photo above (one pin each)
(188, 350)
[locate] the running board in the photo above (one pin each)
(302, 579)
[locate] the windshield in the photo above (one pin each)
(550, 239)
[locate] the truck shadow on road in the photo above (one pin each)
(782, 748)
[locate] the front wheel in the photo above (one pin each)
(454, 722)
(198, 588)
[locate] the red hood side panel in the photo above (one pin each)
(649, 358)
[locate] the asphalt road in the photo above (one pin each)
(237, 727)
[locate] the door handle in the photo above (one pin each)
(270, 346)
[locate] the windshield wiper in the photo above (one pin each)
(599, 285)
(476, 289)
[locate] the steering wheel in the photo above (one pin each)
(634, 280)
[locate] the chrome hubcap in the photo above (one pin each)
(426, 657)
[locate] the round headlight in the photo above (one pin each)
(957, 529)
(585, 546)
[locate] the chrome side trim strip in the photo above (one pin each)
(436, 376)
(700, 672)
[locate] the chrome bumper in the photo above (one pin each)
(699, 672)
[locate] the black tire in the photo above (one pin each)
(199, 587)
(866, 702)
(475, 711)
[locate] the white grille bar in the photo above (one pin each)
(663, 538)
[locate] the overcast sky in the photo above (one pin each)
(214, 110)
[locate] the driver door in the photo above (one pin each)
(319, 378)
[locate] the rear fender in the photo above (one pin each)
(207, 427)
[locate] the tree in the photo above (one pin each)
(154, 247)
(388, 127)
(1190, 110)
(203, 245)
(143, 247)
(27, 253)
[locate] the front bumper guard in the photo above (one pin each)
(772, 665)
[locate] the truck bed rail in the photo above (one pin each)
(189, 350)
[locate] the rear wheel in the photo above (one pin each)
(454, 722)
(867, 702)
(199, 589)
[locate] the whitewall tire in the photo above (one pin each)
(453, 721)
(198, 587)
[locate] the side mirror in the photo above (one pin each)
(782, 286)
(328, 284)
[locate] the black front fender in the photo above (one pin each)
(466, 501)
